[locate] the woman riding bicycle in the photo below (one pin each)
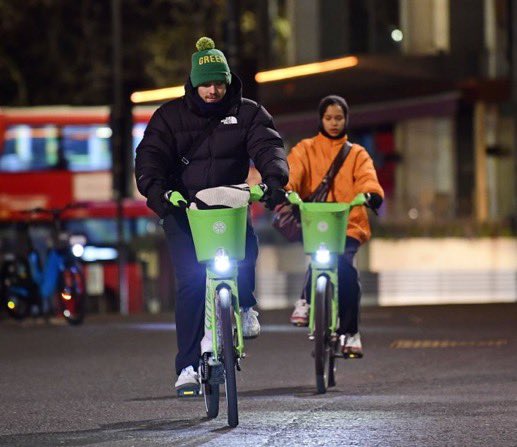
(308, 161)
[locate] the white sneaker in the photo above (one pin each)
(188, 382)
(250, 323)
(300, 315)
(351, 346)
(206, 341)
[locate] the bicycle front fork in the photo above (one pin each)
(217, 290)
(331, 275)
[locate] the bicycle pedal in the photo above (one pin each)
(189, 391)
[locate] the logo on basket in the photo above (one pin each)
(219, 227)
(323, 226)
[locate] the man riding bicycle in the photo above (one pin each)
(202, 140)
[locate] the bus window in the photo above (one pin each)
(87, 148)
(29, 148)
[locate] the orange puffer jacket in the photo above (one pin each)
(310, 160)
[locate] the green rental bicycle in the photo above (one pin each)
(220, 242)
(324, 235)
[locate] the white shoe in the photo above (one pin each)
(188, 382)
(351, 346)
(206, 341)
(250, 323)
(300, 315)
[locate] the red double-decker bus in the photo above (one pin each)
(53, 156)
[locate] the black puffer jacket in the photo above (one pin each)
(245, 131)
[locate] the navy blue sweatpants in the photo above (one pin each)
(191, 284)
(349, 288)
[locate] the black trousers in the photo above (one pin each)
(191, 285)
(349, 288)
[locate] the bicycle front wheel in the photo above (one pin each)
(322, 332)
(211, 388)
(225, 298)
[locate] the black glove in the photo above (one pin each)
(274, 197)
(373, 200)
(157, 202)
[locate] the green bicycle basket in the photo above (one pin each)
(324, 223)
(220, 228)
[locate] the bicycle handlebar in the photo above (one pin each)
(294, 198)
(175, 198)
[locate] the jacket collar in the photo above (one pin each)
(232, 99)
(330, 141)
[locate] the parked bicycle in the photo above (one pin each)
(220, 242)
(324, 235)
(28, 286)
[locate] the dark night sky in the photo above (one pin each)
(59, 52)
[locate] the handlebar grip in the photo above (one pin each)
(257, 192)
(175, 198)
(294, 198)
(359, 199)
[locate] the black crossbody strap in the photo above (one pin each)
(212, 124)
(210, 127)
(321, 192)
(337, 163)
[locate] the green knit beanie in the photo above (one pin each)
(209, 64)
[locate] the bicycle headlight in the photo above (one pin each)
(323, 255)
(221, 262)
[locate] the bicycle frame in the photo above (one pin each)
(324, 236)
(219, 237)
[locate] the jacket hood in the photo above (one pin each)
(232, 97)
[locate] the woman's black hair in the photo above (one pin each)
(322, 107)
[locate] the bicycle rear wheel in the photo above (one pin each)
(225, 299)
(322, 332)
